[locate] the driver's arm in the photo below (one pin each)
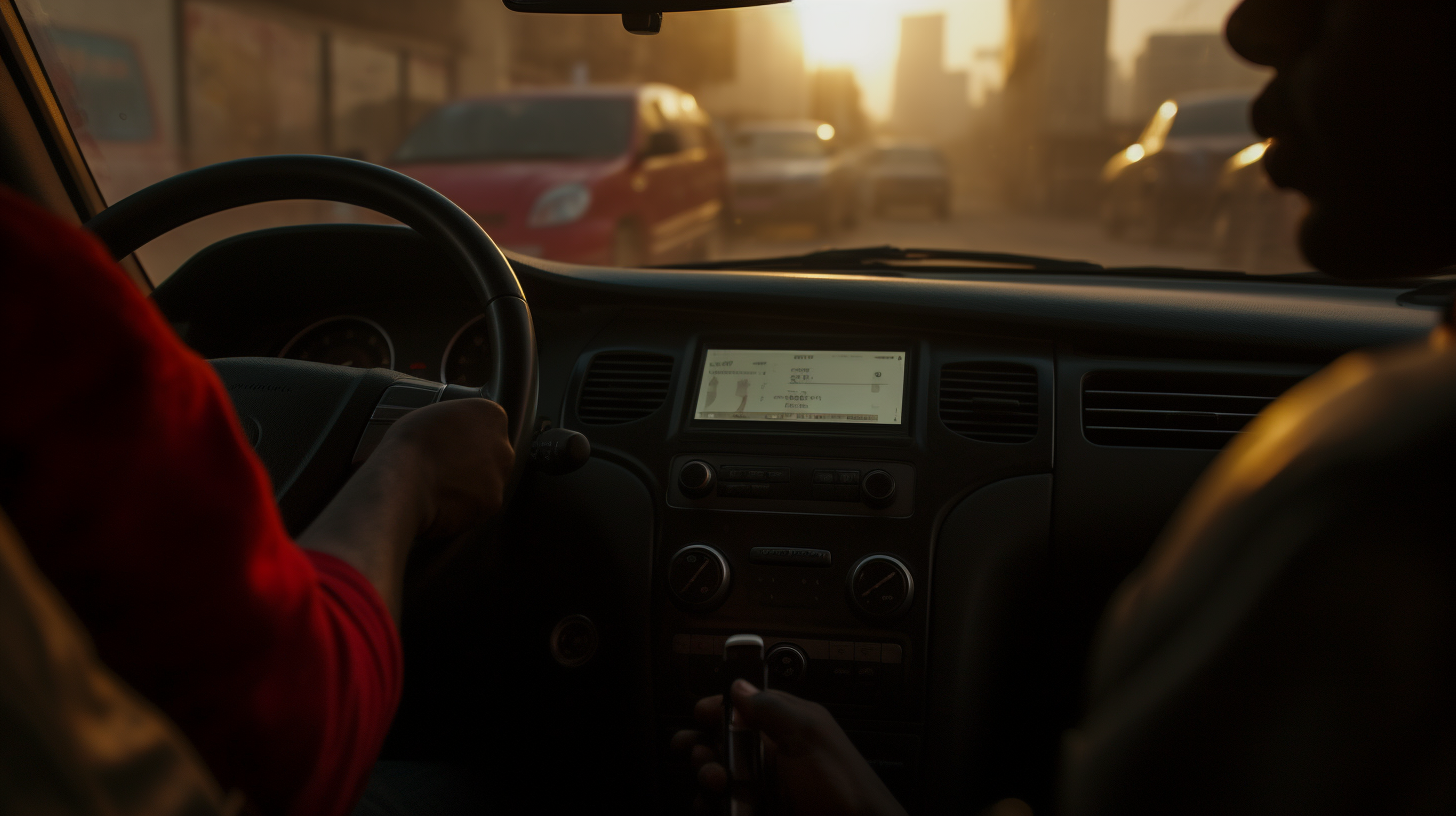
(124, 469)
(439, 470)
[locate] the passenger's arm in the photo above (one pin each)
(438, 471)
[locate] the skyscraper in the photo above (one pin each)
(930, 102)
(1055, 102)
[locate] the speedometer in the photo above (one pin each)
(343, 341)
(469, 359)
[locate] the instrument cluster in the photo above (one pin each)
(467, 358)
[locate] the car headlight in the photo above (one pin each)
(562, 204)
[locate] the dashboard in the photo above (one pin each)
(919, 491)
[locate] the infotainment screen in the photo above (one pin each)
(856, 387)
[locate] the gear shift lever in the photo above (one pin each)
(743, 659)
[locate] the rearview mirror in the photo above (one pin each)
(628, 6)
(638, 16)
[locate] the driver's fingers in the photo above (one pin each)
(709, 712)
(794, 725)
(702, 755)
(685, 739)
(713, 777)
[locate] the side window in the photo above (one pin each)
(661, 135)
(691, 136)
(110, 88)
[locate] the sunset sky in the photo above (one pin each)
(864, 34)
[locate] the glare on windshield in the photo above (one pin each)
(1110, 131)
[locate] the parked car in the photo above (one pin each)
(1167, 178)
(108, 94)
(908, 175)
(792, 171)
(1255, 224)
(615, 175)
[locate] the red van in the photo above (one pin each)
(626, 176)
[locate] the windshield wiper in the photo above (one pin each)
(882, 258)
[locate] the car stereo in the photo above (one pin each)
(785, 386)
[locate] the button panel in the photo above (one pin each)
(791, 556)
(793, 485)
(838, 671)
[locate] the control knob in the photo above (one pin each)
(787, 665)
(880, 586)
(878, 488)
(696, 479)
(698, 576)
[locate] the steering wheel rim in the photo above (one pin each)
(153, 211)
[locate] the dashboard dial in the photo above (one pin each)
(343, 341)
(469, 359)
(698, 576)
(880, 586)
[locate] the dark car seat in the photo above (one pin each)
(1290, 644)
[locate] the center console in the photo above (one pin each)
(791, 514)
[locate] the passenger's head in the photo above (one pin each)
(1362, 111)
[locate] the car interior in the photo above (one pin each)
(929, 557)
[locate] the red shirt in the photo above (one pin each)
(128, 476)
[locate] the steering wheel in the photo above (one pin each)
(311, 422)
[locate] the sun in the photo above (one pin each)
(861, 34)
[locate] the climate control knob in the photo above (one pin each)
(787, 664)
(880, 586)
(696, 479)
(878, 488)
(698, 576)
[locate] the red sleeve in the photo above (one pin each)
(126, 473)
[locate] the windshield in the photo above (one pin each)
(506, 129)
(1000, 127)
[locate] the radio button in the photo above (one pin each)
(791, 556)
(847, 477)
(823, 477)
(835, 493)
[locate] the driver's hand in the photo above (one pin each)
(457, 456)
(438, 472)
(809, 758)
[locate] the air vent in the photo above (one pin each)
(623, 386)
(990, 402)
(1157, 409)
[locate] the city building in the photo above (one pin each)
(834, 97)
(770, 79)
(1054, 132)
(1173, 64)
(930, 103)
